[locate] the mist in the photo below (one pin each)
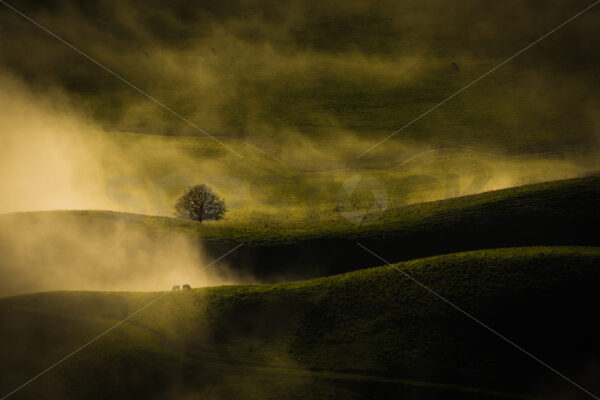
(321, 72)
(62, 251)
(56, 157)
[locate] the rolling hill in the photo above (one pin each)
(361, 334)
(552, 213)
(487, 206)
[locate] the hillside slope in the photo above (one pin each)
(553, 213)
(354, 335)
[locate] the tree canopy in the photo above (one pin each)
(200, 203)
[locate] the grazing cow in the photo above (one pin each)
(455, 66)
(175, 287)
(186, 287)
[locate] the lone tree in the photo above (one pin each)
(200, 203)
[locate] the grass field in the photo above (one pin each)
(371, 332)
(346, 335)
(154, 170)
(491, 200)
(553, 213)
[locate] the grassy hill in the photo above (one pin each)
(356, 335)
(553, 213)
(478, 205)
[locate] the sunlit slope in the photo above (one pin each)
(329, 337)
(146, 174)
(554, 213)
